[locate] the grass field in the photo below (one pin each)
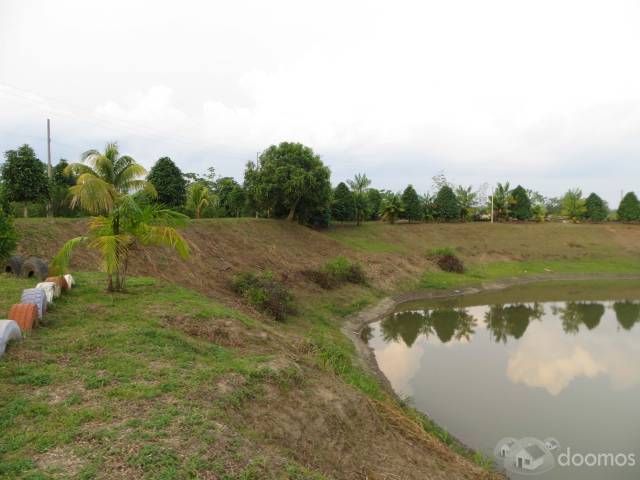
(177, 378)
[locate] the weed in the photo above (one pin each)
(265, 293)
(336, 272)
(450, 263)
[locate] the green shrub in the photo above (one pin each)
(336, 272)
(451, 263)
(440, 251)
(8, 236)
(265, 293)
(447, 259)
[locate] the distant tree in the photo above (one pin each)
(199, 197)
(374, 199)
(573, 205)
(447, 206)
(170, 185)
(391, 207)
(230, 195)
(467, 200)
(289, 181)
(59, 189)
(629, 209)
(539, 212)
(501, 201)
(521, 204)
(343, 208)
(596, 208)
(24, 177)
(359, 186)
(429, 207)
(412, 204)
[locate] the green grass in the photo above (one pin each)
(365, 238)
(479, 274)
(105, 382)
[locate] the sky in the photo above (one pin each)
(540, 93)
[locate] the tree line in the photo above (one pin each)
(290, 181)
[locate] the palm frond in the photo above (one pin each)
(164, 236)
(114, 250)
(61, 261)
(78, 169)
(93, 194)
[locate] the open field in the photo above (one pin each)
(177, 378)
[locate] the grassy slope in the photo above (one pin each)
(158, 385)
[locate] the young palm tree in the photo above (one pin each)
(391, 207)
(104, 176)
(359, 186)
(199, 197)
(117, 235)
(502, 201)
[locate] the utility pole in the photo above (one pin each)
(493, 194)
(49, 167)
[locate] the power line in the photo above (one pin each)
(150, 134)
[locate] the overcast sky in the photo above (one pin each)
(543, 93)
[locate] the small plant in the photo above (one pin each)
(447, 259)
(265, 293)
(336, 272)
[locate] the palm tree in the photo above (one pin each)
(391, 207)
(103, 187)
(199, 197)
(118, 234)
(103, 177)
(359, 186)
(502, 201)
(467, 199)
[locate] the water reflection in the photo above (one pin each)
(446, 323)
(490, 366)
(503, 321)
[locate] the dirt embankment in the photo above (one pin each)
(324, 423)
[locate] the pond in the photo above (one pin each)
(546, 377)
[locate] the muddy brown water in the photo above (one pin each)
(544, 375)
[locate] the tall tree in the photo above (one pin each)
(412, 204)
(359, 186)
(447, 206)
(573, 205)
(374, 200)
(59, 189)
(169, 182)
(521, 204)
(343, 206)
(629, 209)
(290, 180)
(596, 208)
(230, 195)
(24, 177)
